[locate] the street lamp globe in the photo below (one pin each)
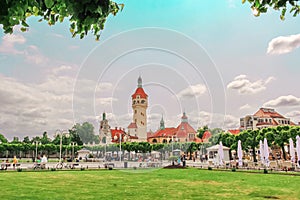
(115, 137)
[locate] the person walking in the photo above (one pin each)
(15, 161)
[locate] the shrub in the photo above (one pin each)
(209, 168)
(265, 171)
(233, 169)
(19, 169)
(53, 169)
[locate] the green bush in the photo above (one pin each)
(19, 169)
(233, 169)
(265, 171)
(209, 168)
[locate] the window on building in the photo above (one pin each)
(143, 101)
(135, 111)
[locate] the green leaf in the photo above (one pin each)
(23, 29)
(24, 24)
(49, 3)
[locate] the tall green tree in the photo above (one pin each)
(250, 140)
(262, 6)
(201, 131)
(45, 139)
(84, 15)
(3, 139)
(86, 132)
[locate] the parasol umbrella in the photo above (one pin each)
(261, 150)
(221, 153)
(240, 153)
(298, 149)
(266, 153)
(292, 150)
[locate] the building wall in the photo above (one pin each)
(139, 106)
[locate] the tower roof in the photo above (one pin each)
(184, 118)
(139, 91)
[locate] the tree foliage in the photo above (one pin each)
(262, 6)
(84, 15)
(86, 132)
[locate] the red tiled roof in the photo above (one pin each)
(132, 125)
(234, 132)
(139, 91)
(266, 112)
(133, 137)
(183, 129)
(116, 132)
(149, 134)
(197, 140)
(206, 135)
(165, 132)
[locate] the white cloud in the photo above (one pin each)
(231, 3)
(61, 68)
(295, 113)
(245, 107)
(283, 101)
(106, 101)
(104, 86)
(9, 41)
(244, 86)
(30, 109)
(33, 55)
(283, 44)
(192, 91)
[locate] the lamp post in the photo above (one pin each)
(105, 149)
(60, 133)
(120, 140)
(120, 143)
(73, 144)
(36, 143)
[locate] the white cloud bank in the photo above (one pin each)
(283, 101)
(244, 86)
(245, 107)
(15, 44)
(283, 44)
(192, 91)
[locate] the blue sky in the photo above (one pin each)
(50, 81)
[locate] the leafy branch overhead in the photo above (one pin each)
(84, 15)
(262, 6)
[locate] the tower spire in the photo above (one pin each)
(140, 82)
(162, 123)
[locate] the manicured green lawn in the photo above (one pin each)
(157, 184)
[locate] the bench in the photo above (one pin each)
(109, 165)
(4, 166)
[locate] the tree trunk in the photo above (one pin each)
(283, 152)
(254, 154)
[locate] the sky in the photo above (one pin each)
(215, 61)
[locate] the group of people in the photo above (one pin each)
(40, 162)
(6, 163)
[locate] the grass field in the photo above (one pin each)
(157, 184)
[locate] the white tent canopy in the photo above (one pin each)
(213, 152)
